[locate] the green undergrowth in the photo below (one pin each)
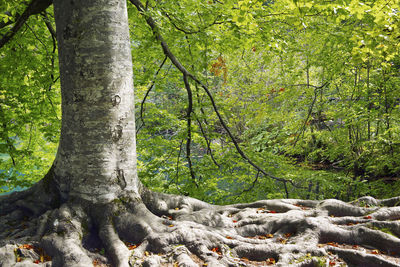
(230, 187)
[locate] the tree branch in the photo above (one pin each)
(191, 31)
(201, 110)
(189, 127)
(150, 21)
(35, 7)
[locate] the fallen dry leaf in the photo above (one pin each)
(216, 250)
(132, 247)
(333, 244)
(270, 261)
(26, 246)
(282, 240)
(287, 235)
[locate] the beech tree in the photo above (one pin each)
(92, 210)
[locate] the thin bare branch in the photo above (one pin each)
(310, 109)
(148, 92)
(191, 31)
(207, 142)
(177, 168)
(189, 127)
(252, 184)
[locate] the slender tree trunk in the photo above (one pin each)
(96, 159)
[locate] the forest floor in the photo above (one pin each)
(187, 232)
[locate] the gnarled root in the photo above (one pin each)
(156, 229)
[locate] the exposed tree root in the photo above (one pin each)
(156, 229)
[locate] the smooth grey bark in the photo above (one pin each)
(96, 159)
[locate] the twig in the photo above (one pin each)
(37, 38)
(54, 39)
(252, 184)
(147, 94)
(191, 31)
(207, 142)
(309, 111)
(304, 84)
(177, 168)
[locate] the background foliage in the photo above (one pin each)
(309, 89)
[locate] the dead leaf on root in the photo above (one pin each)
(375, 251)
(26, 246)
(271, 261)
(287, 235)
(131, 246)
(282, 240)
(216, 250)
(333, 244)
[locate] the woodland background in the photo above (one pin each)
(309, 89)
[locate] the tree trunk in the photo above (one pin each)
(96, 158)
